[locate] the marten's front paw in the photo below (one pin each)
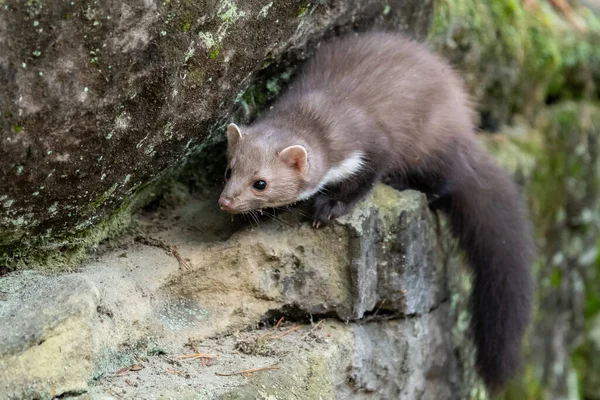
(326, 210)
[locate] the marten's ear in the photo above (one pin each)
(296, 157)
(233, 134)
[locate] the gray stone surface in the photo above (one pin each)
(98, 99)
(405, 359)
(47, 335)
(393, 266)
(138, 305)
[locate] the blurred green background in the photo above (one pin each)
(534, 69)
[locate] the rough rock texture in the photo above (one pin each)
(380, 279)
(98, 98)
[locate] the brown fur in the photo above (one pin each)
(406, 111)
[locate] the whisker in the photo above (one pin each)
(276, 218)
(252, 217)
(297, 211)
(256, 217)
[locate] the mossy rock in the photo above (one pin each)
(100, 101)
(515, 59)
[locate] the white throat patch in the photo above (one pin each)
(338, 173)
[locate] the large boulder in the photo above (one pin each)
(98, 99)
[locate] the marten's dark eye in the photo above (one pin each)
(260, 185)
(228, 173)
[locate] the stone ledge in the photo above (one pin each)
(71, 333)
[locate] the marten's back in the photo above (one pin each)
(413, 93)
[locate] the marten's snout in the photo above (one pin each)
(226, 203)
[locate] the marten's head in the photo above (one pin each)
(262, 172)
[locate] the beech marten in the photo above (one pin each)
(380, 107)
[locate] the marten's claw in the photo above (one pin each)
(327, 210)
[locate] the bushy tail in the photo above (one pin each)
(491, 222)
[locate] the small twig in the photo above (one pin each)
(129, 370)
(175, 251)
(175, 372)
(197, 355)
(250, 371)
(268, 335)
(264, 336)
(114, 393)
(204, 358)
(193, 345)
(170, 249)
(317, 325)
(312, 329)
(278, 323)
(285, 333)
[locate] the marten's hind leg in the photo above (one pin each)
(437, 190)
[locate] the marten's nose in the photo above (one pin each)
(226, 203)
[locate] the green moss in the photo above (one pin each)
(99, 201)
(214, 53)
(592, 303)
(196, 77)
(55, 253)
(528, 387)
(556, 277)
(302, 10)
(515, 154)
(514, 58)
(263, 91)
(564, 196)
(557, 162)
(566, 169)
(586, 361)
